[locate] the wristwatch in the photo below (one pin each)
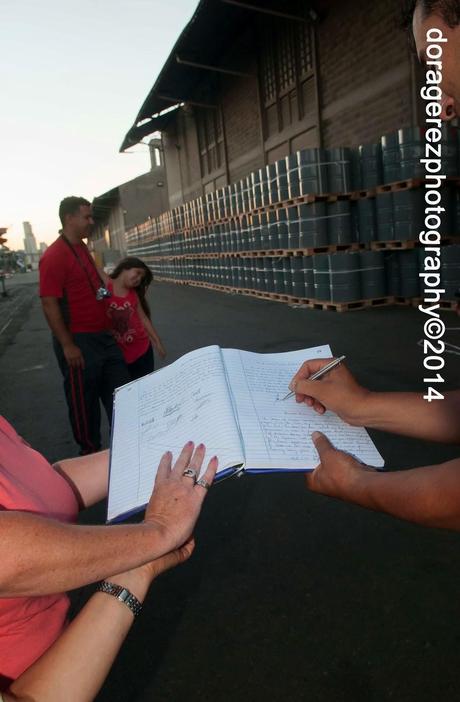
(122, 594)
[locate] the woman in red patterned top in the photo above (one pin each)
(129, 316)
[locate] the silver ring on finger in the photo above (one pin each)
(203, 483)
(190, 473)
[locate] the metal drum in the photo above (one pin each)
(256, 189)
(297, 276)
(339, 170)
(256, 233)
(367, 220)
(385, 216)
(313, 171)
(269, 274)
(345, 276)
(309, 277)
(282, 179)
(371, 165)
(409, 270)
(292, 166)
(392, 273)
(287, 275)
(272, 179)
(260, 275)
(373, 281)
(272, 230)
(278, 273)
(450, 270)
(391, 158)
(244, 233)
(264, 231)
(449, 150)
(265, 186)
(322, 277)
(339, 222)
(412, 149)
(313, 225)
(283, 230)
(408, 209)
(356, 171)
(293, 227)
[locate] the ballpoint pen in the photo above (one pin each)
(320, 373)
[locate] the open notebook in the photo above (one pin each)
(230, 400)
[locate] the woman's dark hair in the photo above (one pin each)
(449, 10)
(132, 262)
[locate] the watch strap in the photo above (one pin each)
(122, 594)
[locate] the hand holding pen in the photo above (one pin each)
(319, 373)
(337, 390)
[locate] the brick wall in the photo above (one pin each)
(364, 71)
(240, 107)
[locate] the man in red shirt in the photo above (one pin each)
(72, 293)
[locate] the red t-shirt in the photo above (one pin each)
(126, 325)
(64, 277)
(28, 483)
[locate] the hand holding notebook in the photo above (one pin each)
(231, 402)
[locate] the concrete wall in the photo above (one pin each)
(142, 197)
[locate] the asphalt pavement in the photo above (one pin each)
(289, 596)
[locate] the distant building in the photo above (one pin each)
(43, 247)
(30, 247)
(30, 243)
(126, 206)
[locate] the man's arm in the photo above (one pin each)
(429, 495)
(88, 476)
(56, 323)
(405, 413)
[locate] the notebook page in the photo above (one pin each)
(187, 400)
(276, 433)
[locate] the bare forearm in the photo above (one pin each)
(75, 667)
(429, 496)
(87, 475)
(55, 320)
(50, 557)
(410, 415)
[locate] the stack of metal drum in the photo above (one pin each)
(243, 235)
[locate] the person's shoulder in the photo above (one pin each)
(57, 251)
(57, 248)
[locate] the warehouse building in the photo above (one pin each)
(254, 81)
(292, 156)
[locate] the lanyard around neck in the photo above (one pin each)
(82, 265)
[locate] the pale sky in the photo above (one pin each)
(73, 76)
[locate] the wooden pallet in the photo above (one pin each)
(408, 184)
(392, 245)
(356, 305)
(288, 299)
(362, 194)
(405, 301)
(446, 305)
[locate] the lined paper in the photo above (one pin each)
(276, 434)
(187, 400)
